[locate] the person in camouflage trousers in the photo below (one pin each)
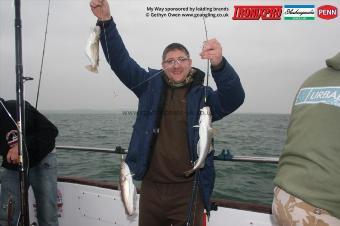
(307, 180)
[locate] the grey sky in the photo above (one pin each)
(272, 57)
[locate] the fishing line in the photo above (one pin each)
(105, 39)
(208, 62)
(146, 80)
(9, 115)
(108, 55)
(109, 59)
(195, 208)
(142, 82)
(193, 200)
(119, 136)
(43, 54)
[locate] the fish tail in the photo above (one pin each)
(189, 172)
(91, 68)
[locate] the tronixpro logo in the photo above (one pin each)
(327, 12)
(250, 12)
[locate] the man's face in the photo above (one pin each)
(176, 65)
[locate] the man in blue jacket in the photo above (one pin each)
(164, 140)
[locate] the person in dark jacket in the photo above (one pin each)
(42, 175)
(164, 139)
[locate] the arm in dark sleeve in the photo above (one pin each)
(229, 94)
(127, 70)
(40, 132)
(3, 148)
(3, 145)
(6, 124)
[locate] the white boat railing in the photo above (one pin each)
(225, 155)
(89, 202)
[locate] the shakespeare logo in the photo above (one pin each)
(257, 12)
(327, 12)
(299, 12)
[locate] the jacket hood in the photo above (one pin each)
(198, 77)
(334, 62)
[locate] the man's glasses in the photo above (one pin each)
(172, 62)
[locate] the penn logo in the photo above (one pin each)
(257, 12)
(327, 12)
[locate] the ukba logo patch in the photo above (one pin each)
(316, 95)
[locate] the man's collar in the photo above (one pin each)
(188, 80)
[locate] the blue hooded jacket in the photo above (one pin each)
(149, 87)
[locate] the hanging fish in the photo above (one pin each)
(127, 189)
(204, 146)
(92, 50)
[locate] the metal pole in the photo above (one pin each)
(20, 107)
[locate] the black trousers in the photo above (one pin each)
(168, 204)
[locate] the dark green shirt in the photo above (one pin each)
(309, 167)
(170, 158)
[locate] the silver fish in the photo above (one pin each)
(127, 189)
(206, 133)
(92, 50)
